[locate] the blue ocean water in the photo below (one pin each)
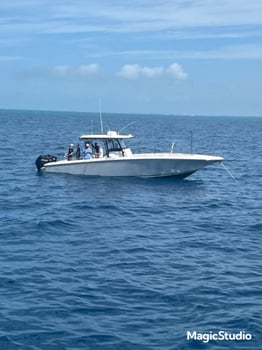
(106, 263)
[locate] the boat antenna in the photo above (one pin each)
(100, 117)
(191, 141)
(172, 147)
(124, 127)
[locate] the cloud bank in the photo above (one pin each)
(69, 71)
(127, 71)
(135, 71)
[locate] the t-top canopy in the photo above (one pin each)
(110, 135)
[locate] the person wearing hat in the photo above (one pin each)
(70, 152)
(87, 151)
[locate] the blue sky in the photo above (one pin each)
(147, 56)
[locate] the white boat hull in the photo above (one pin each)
(137, 165)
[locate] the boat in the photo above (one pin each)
(111, 157)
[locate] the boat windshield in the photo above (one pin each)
(107, 146)
(114, 145)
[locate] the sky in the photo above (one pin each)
(181, 57)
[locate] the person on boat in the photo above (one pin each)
(98, 150)
(78, 152)
(70, 152)
(87, 151)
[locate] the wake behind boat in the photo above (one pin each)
(106, 154)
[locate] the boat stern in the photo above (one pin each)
(44, 159)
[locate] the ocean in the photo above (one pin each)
(112, 263)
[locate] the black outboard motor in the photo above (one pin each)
(42, 160)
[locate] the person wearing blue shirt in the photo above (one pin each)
(87, 151)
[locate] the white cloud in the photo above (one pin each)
(88, 69)
(177, 71)
(71, 71)
(157, 22)
(152, 72)
(135, 71)
(129, 16)
(214, 33)
(144, 15)
(130, 71)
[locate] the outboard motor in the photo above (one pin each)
(42, 160)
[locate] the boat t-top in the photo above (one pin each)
(109, 156)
